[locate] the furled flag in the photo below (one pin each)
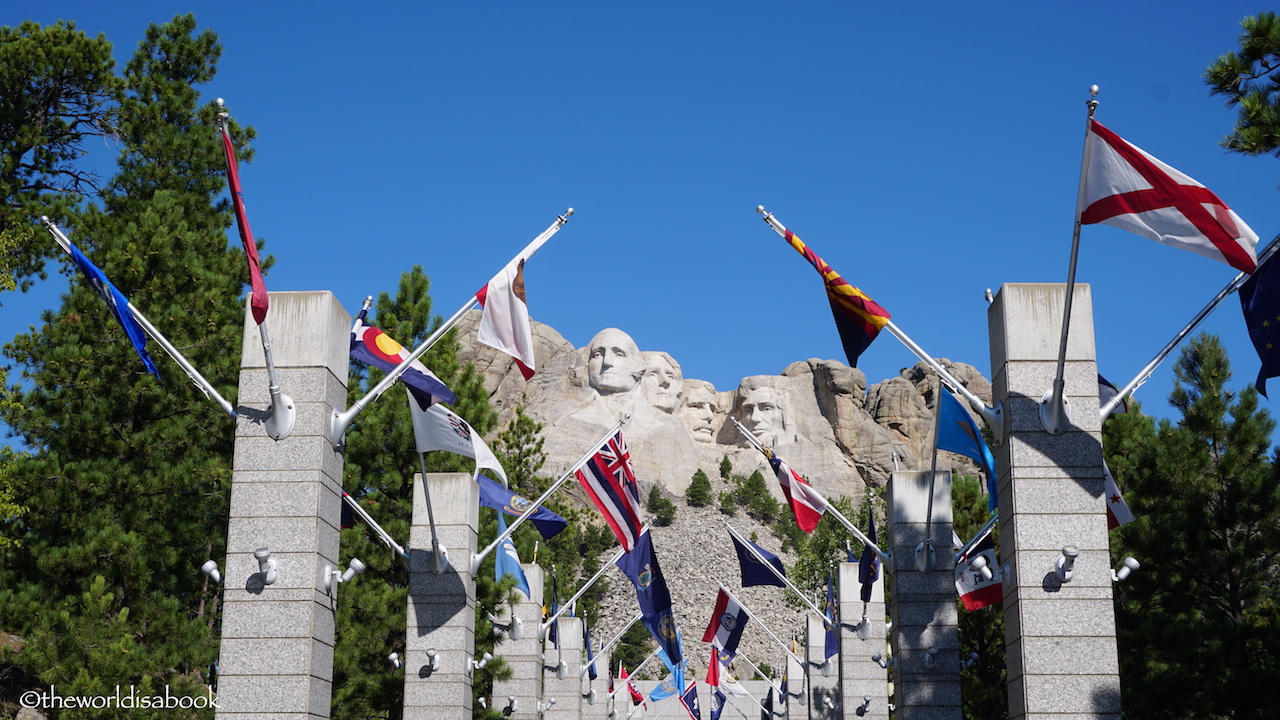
(504, 325)
(1118, 512)
(766, 708)
(118, 304)
(1260, 301)
(1106, 391)
(858, 317)
(348, 519)
(494, 495)
(653, 596)
(373, 347)
(553, 633)
(973, 590)
(636, 697)
(611, 484)
(258, 298)
(439, 428)
(507, 562)
(958, 433)
(806, 504)
(831, 623)
(728, 619)
(1129, 189)
(591, 655)
(690, 701)
(713, 668)
(753, 571)
(869, 563)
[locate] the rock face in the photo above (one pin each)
(819, 415)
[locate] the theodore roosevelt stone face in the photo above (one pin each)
(614, 364)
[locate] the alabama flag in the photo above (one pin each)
(1118, 512)
(807, 505)
(1129, 189)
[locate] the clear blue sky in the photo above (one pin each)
(926, 154)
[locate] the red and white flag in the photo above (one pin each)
(974, 590)
(1129, 189)
(806, 504)
(713, 669)
(636, 697)
(728, 619)
(505, 324)
(1118, 512)
(258, 299)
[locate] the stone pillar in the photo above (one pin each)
(566, 691)
(860, 675)
(1059, 638)
(924, 603)
(822, 688)
(797, 689)
(441, 618)
(524, 656)
(276, 657)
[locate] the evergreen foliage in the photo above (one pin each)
(983, 683)
(728, 503)
(1250, 82)
(699, 492)
(726, 467)
(664, 511)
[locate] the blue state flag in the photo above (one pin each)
(507, 562)
(676, 669)
(690, 701)
(591, 655)
(494, 495)
(869, 564)
(118, 304)
(831, 641)
(653, 595)
(717, 703)
(958, 433)
(753, 571)
(1260, 301)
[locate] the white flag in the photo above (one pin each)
(439, 428)
(1118, 512)
(505, 323)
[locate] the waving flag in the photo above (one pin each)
(373, 347)
(611, 484)
(1260, 301)
(753, 571)
(690, 701)
(858, 317)
(258, 298)
(958, 433)
(494, 495)
(636, 697)
(507, 562)
(1118, 512)
(869, 563)
(664, 689)
(974, 591)
(717, 703)
(728, 619)
(505, 324)
(117, 303)
(806, 504)
(653, 596)
(1129, 189)
(439, 428)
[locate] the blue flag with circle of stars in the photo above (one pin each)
(118, 304)
(1260, 301)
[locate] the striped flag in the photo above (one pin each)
(373, 347)
(728, 618)
(258, 299)
(858, 317)
(806, 504)
(611, 484)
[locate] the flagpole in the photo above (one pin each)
(924, 551)
(341, 420)
(978, 538)
(605, 648)
(476, 559)
(1055, 414)
(761, 622)
(1145, 374)
(439, 555)
(757, 669)
(355, 506)
(827, 507)
(634, 670)
(751, 548)
(569, 603)
(204, 385)
(992, 416)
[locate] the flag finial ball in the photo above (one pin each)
(44, 219)
(568, 212)
(1093, 90)
(760, 209)
(220, 102)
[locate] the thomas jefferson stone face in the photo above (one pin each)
(700, 413)
(613, 362)
(663, 383)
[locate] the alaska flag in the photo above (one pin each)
(831, 640)
(494, 495)
(117, 303)
(507, 562)
(1260, 300)
(753, 571)
(869, 564)
(373, 347)
(653, 595)
(858, 317)
(958, 433)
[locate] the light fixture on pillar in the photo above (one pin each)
(433, 660)
(510, 709)
(1067, 563)
(878, 659)
(513, 629)
(266, 565)
(484, 660)
(543, 707)
(210, 568)
(827, 668)
(969, 661)
(864, 707)
(394, 659)
(981, 567)
(931, 658)
(590, 696)
(561, 669)
(332, 577)
(862, 629)
(926, 559)
(1126, 569)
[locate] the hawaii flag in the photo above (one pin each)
(258, 299)
(373, 347)
(505, 323)
(806, 504)
(1118, 512)
(611, 484)
(1129, 189)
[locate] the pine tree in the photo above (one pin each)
(127, 482)
(664, 511)
(983, 682)
(1250, 81)
(726, 467)
(1198, 628)
(699, 492)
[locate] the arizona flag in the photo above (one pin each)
(974, 591)
(258, 299)
(858, 317)
(1118, 512)
(1129, 189)
(806, 504)
(371, 346)
(505, 323)
(611, 484)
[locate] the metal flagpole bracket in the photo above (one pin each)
(282, 415)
